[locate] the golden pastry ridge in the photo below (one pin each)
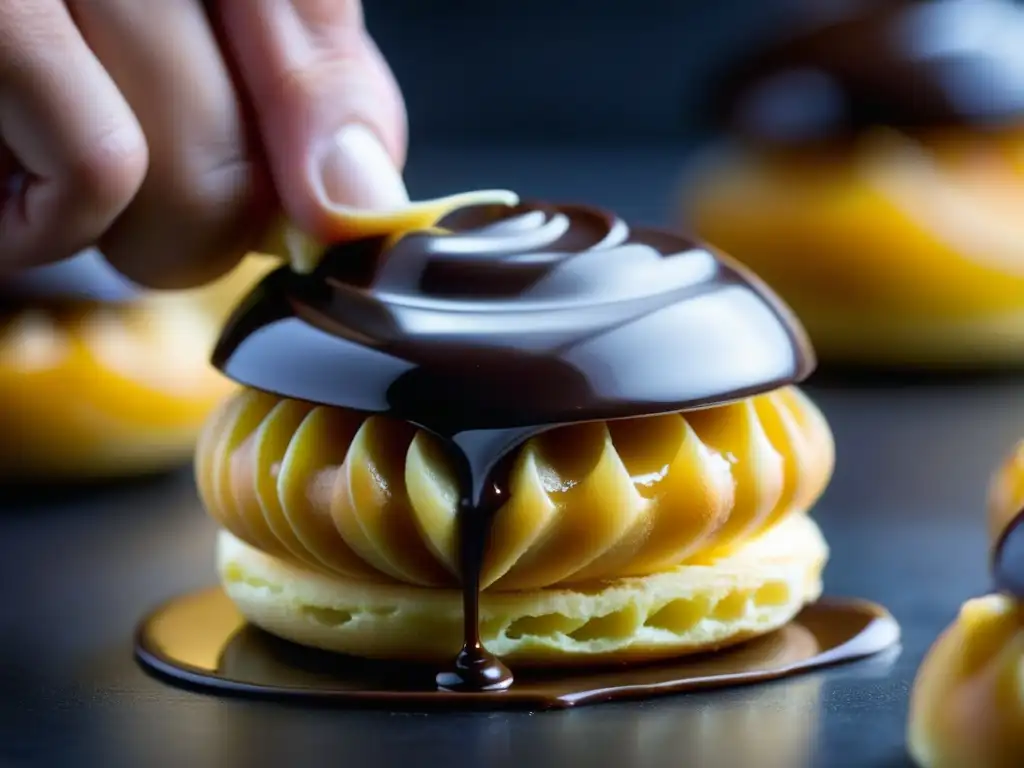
(371, 498)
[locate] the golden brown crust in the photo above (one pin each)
(374, 499)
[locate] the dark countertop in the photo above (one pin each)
(904, 516)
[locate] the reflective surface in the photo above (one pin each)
(904, 517)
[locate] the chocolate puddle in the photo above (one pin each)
(501, 323)
(201, 640)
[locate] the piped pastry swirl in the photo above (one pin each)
(375, 499)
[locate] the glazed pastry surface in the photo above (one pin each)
(375, 499)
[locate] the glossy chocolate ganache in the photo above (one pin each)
(501, 322)
(1008, 558)
(907, 64)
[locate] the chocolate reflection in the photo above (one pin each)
(907, 64)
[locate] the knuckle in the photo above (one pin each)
(107, 171)
(326, 19)
(218, 184)
(325, 80)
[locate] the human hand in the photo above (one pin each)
(168, 132)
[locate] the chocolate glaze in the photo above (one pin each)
(908, 64)
(201, 640)
(1008, 557)
(506, 321)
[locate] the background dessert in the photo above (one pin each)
(99, 379)
(592, 424)
(967, 706)
(872, 175)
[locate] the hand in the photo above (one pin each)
(169, 132)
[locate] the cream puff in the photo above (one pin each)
(874, 176)
(967, 705)
(522, 430)
(100, 380)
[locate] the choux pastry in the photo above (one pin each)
(522, 430)
(873, 174)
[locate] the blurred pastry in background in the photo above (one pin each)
(967, 705)
(99, 379)
(873, 174)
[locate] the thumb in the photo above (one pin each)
(329, 112)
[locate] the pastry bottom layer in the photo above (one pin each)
(689, 609)
(856, 337)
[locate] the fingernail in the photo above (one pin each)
(354, 170)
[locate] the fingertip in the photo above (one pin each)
(330, 114)
(191, 274)
(109, 170)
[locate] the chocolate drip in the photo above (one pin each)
(504, 322)
(907, 64)
(1008, 558)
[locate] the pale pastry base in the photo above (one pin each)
(692, 608)
(856, 337)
